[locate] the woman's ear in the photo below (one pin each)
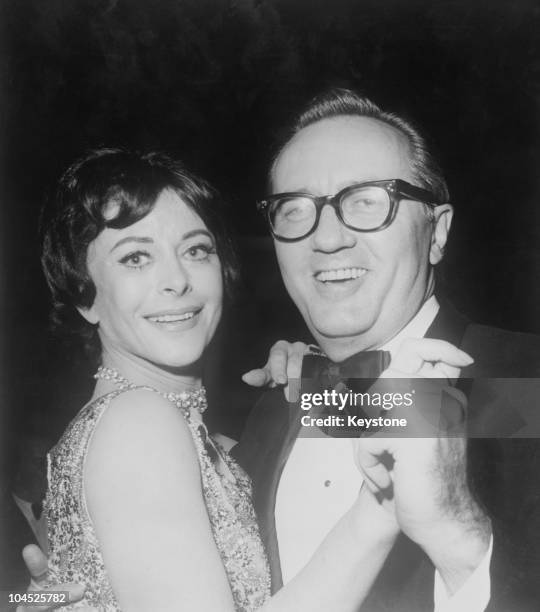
(90, 314)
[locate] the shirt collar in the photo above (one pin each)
(416, 327)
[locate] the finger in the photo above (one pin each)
(444, 370)
(414, 352)
(36, 562)
(274, 371)
(277, 362)
(259, 377)
(370, 464)
(295, 360)
(294, 371)
(372, 485)
(378, 475)
(434, 350)
(373, 488)
(381, 498)
(74, 591)
(292, 390)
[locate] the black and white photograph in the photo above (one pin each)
(271, 305)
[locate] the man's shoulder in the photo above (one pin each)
(497, 333)
(501, 352)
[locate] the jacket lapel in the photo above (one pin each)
(263, 450)
(449, 325)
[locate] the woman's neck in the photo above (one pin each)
(141, 372)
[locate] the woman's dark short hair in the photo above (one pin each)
(80, 210)
(340, 102)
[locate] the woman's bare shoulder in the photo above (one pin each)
(143, 437)
(140, 408)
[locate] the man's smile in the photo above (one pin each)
(339, 283)
(339, 274)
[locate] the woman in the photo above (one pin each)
(143, 506)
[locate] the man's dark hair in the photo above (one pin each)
(81, 209)
(337, 102)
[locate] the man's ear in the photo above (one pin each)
(442, 220)
(90, 314)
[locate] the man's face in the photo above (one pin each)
(356, 290)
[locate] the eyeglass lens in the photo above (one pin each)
(363, 208)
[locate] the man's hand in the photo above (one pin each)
(284, 364)
(423, 480)
(37, 565)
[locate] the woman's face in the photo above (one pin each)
(158, 285)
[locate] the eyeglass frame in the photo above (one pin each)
(397, 190)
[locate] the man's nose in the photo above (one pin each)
(331, 235)
(174, 278)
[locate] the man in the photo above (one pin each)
(358, 261)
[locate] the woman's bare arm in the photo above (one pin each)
(144, 495)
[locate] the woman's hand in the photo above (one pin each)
(37, 565)
(427, 358)
(284, 364)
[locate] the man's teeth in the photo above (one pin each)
(172, 318)
(340, 274)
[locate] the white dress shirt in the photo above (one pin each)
(320, 483)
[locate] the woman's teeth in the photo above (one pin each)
(172, 318)
(339, 274)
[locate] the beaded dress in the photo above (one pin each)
(74, 551)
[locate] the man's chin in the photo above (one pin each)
(339, 324)
(339, 338)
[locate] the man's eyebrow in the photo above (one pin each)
(148, 240)
(298, 190)
(339, 187)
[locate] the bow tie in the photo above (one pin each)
(367, 365)
(357, 373)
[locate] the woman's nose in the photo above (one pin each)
(174, 278)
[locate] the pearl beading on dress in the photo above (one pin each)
(186, 401)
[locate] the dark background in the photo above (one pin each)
(213, 81)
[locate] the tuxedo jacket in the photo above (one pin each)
(503, 472)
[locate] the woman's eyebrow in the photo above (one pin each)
(196, 232)
(148, 240)
(138, 239)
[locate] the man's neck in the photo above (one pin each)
(415, 327)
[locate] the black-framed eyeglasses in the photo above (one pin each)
(363, 207)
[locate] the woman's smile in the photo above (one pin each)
(176, 320)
